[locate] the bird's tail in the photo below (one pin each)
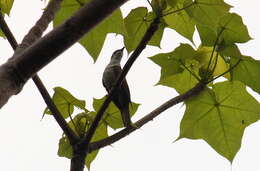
(126, 117)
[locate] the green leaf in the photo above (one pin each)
(112, 115)
(136, 23)
(217, 62)
(230, 30)
(207, 12)
(208, 36)
(93, 41)
(183, 81)
(157, 37)
(170, 62)
(158, 6)
(65, 102)
(247, 69)
(229, 51)
(2, 34)
(82, 122)
(219, 116)
(65, 149)
(181, 22)
(100, 133)
(6, 6)
(234, 31)
(172, 3)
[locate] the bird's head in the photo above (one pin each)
(117, 55)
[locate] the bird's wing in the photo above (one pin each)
(110, 76)
(123, 88)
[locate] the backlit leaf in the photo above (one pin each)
(219, 116)
(93, 41)
(234, 31)
(6, 6)
(137, 22)
(65, 102)
(171, 63)
(207, 12)
(181, 22)
(246, 70)
(82, 123)
(112, 115)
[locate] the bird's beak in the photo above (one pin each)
(122, 49)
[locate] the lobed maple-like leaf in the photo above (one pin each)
(93, 41)
(136, 23)
(219, 116)
(65, 102)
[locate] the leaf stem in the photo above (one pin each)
(212, 53)
(150, 3)
(178, 10)
(193, 74)
(230, 69)
(149, 117)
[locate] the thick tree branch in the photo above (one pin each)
(62, 37)
(25, 64)
(121, 134)
(40, 26)
(35, 33)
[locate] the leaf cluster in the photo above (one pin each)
(220, 113)
(80, 118)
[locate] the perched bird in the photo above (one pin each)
(121, 97)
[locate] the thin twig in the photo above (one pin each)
(212, 52)
(150, 3)
(148, 35)
(47, 98)
(149, 117)
(229, 70)
(4, 27)
(214, 67)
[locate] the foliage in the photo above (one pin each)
(94, 40)
(81, 122)
(219, 114)
(6, 6)
(136, 23)
(226, 106)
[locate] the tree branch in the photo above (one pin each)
(148, 35)
(40, 26)
(35, 33)
(121, 134)
(80, 151)
(7, 32)
(62, 37)
(18, 70)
